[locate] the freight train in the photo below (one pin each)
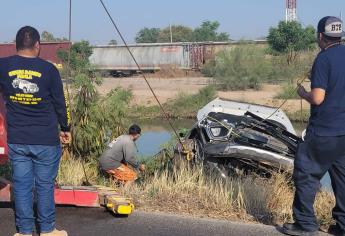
(116, 60)
(155, 56)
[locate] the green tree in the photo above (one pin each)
(179, 33)
(243, 67)
(95, 119)
(49, 37)
(147, 35)
(207, 31)
(290, 38)
(46, 36)
(80, 53)
(112, 42)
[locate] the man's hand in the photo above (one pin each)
(65, 137)
(315, 97)
(142, 168)
(301, 91)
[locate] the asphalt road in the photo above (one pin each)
(97, 222)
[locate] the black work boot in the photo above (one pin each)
(336, 230)
(296, 230)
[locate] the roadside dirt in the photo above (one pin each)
(167, 89)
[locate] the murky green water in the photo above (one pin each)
(157, 132)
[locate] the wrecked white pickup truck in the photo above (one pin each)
(232, 136)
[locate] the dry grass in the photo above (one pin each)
(172, 71)
(280, 202)
(189, 190)
(71, 173)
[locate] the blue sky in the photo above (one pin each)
(242, 19)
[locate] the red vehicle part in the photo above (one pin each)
(48, 52)
(5, 187)
(3, 133)
(77, 196)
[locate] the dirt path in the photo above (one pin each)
(167, 89)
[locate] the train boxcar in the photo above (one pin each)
(48, 51)
(153, 56)
(149, 56)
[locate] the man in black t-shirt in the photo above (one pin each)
(323, 149)
(36, 110)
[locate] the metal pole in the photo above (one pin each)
(171, 38)
(70, 21)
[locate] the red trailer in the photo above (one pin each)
(48, 51)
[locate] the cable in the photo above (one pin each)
(141, 71)
(301, 111)
(283, 103)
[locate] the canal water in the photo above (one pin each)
(157, 132)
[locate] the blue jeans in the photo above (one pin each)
(34, 169)
(314, 158)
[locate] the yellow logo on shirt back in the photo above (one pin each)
(24, 74)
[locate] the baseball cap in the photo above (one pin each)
(331, 26)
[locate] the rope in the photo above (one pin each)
(285, 101)
(141, 71)
(301, 110)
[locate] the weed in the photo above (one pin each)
(241, 68)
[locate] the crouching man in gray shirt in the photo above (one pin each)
(119, 160)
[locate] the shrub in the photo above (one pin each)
(248, 66)
(241, 68)
(209, 69)
(95, 120)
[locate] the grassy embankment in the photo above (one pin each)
(182, 189)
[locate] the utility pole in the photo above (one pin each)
(171, 37)
(291, 10)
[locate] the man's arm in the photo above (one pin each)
(319, 82)
(129, 151)
(315, 97)
(61, 105)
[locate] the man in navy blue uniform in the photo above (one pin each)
(38, 120)
(323, 148)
